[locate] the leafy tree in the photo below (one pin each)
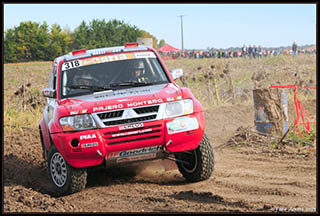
(80, 36)
(43, 40)
(161, 43)
(58, 42)
(26, 41)
(9, 46)
(31, 41)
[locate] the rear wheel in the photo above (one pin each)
(65, 178)
(200, 161)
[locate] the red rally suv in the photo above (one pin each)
(117, 105)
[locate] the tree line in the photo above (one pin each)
(32, 41)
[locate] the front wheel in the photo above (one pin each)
(200, 161)
(65, 178)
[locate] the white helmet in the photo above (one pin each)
(138, 65)
(86, 78)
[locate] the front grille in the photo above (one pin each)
(128, 115)
(108, 115)
(150, 132)
(131, 120)
(144, 110)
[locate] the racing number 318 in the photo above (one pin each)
(72, 64)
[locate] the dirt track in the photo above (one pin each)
(245, 179)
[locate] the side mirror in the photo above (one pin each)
(49, 92)
(176, 73)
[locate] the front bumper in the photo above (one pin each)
(143, 141)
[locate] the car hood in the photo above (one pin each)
(121, 99)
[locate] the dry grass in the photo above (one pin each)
(200, 75)
(278, 70)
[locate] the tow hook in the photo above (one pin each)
(164, 147)
(99, 153)
(169, 142)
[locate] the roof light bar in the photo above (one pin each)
(78, 52)
(132, 44)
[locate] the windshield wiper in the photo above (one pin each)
(133, 83)
(90, 87)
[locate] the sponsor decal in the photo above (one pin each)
(140, 151)
(132, 132)
(171, 90)
(112, 155)
(84, 111)
(170, 99)
(125, 127)
(179, 97)
(146, 102)
(74, 112)
(136, 158)
(182, 124)
(105, 58)
(89, 145)
(108, 107)
(99, 52)
(144, 55)
(129, 104)
(134, 152)
(88, 136)
(123, 100)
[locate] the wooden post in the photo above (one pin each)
(231, 87)
(270, 116)
(226, 71)
(216, 90)
(23, 96)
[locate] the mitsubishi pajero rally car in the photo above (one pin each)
(118, 105)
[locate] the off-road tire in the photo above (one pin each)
(74, 180)
(201, 161)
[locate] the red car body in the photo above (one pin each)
(102, 144)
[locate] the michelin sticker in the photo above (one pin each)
(182, 124)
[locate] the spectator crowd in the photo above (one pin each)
(251, 52)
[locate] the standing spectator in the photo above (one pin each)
(264, 52)
(250, 51)
(254, 51)
(259, 50)
(294, 48)
(244, 51)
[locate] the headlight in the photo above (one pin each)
(77, 122)
(179, 108)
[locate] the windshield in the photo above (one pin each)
(81, 77)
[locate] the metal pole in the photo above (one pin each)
(182, 32)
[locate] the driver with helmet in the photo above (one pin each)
(84, 79)
(138, 72)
